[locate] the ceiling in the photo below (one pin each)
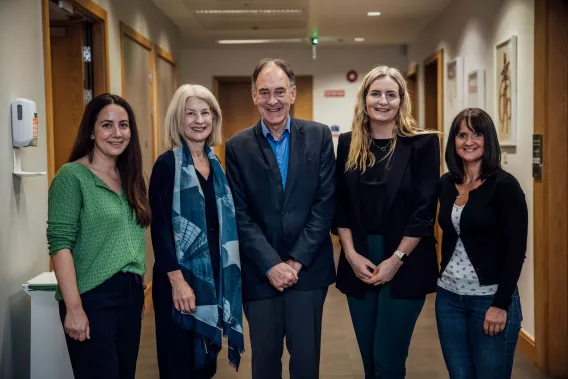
(334, 21)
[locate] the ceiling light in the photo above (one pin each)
(373, 13)
(358, 39)
(248, 11)
(253, 41)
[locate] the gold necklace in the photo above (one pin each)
(461, 193)
(105, 172)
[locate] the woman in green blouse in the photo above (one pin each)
(97, 211)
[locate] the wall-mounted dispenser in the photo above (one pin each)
(24, 131)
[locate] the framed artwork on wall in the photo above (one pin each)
(454, 87)
(505, 94)
(476, 89)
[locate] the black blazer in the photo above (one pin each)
(275, 225)
(493, 227)
(410, 210)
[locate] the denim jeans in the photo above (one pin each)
(470, 353)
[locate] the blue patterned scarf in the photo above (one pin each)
(219, 305)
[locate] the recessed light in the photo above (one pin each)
(254, 41)
(359, 39)
(373, 13)
(248, 11)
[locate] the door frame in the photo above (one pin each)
(550, 346)
(127, 32)
(98, 16)
(412, 75)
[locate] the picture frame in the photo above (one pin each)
(476, 89)
(454, 87)
(505, 91)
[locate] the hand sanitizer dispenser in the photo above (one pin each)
(24, 132)
(24, 123)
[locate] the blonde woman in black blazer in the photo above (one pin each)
(387, 174)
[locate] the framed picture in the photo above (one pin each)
(476, 89)
(454, 87)
(506, 91)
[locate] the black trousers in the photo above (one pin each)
(296, 315)
(174, 345)
(114, 310)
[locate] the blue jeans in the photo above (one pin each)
(470, 353)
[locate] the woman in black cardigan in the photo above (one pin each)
(484, 216)
(387, 176)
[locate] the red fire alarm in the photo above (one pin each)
(352, 76)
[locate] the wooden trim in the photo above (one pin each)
(48, 92)
(165, 55)
(527, 346)
(413, 70)
(539, 201)
(92, 9)
(153, 115)
(127, 31)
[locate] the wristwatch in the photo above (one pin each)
(400, 255)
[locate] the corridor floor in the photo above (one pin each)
(339, 354)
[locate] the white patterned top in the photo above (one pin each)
(459, 276)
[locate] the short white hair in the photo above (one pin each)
(176, 113)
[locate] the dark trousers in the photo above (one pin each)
(470, 353)
(383, 325)
(114, 310)
(174, 345)
(296, 315)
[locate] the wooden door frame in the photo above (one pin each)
(127, 32)
(551, 193)
(98, 16)
(412, 74)
(168, 57)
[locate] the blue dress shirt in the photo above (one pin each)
(281, 148)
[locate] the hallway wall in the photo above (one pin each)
(329, 70)
(470, 29)
(23, 202)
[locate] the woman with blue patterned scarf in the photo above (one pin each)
(197, 273)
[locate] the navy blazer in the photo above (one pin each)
(276, 224)
(410, 209)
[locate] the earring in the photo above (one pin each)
(92, 136)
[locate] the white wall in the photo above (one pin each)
(23, 202)
(329, 71)
(470, 29)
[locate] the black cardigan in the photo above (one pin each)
(409, 210)
(494, 227)
(161, 194)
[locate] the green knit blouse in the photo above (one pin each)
(96, 224)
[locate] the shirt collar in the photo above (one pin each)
(266, 131)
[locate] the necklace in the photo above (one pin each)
(382, 148)
(461, 193)
(105, 172)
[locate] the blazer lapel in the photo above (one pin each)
(270, 159)
(396, 171)
(296, 156)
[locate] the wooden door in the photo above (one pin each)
(67, 89)
(304, 105)
(551, 192)
(239, 112)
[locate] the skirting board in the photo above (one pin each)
(526, 346)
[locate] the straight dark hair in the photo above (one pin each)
(477, 120)
(129, 163)
(278, 62)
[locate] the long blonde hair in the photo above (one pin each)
(176, 113)
(360, 156)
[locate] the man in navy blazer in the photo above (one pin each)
(281, 173)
